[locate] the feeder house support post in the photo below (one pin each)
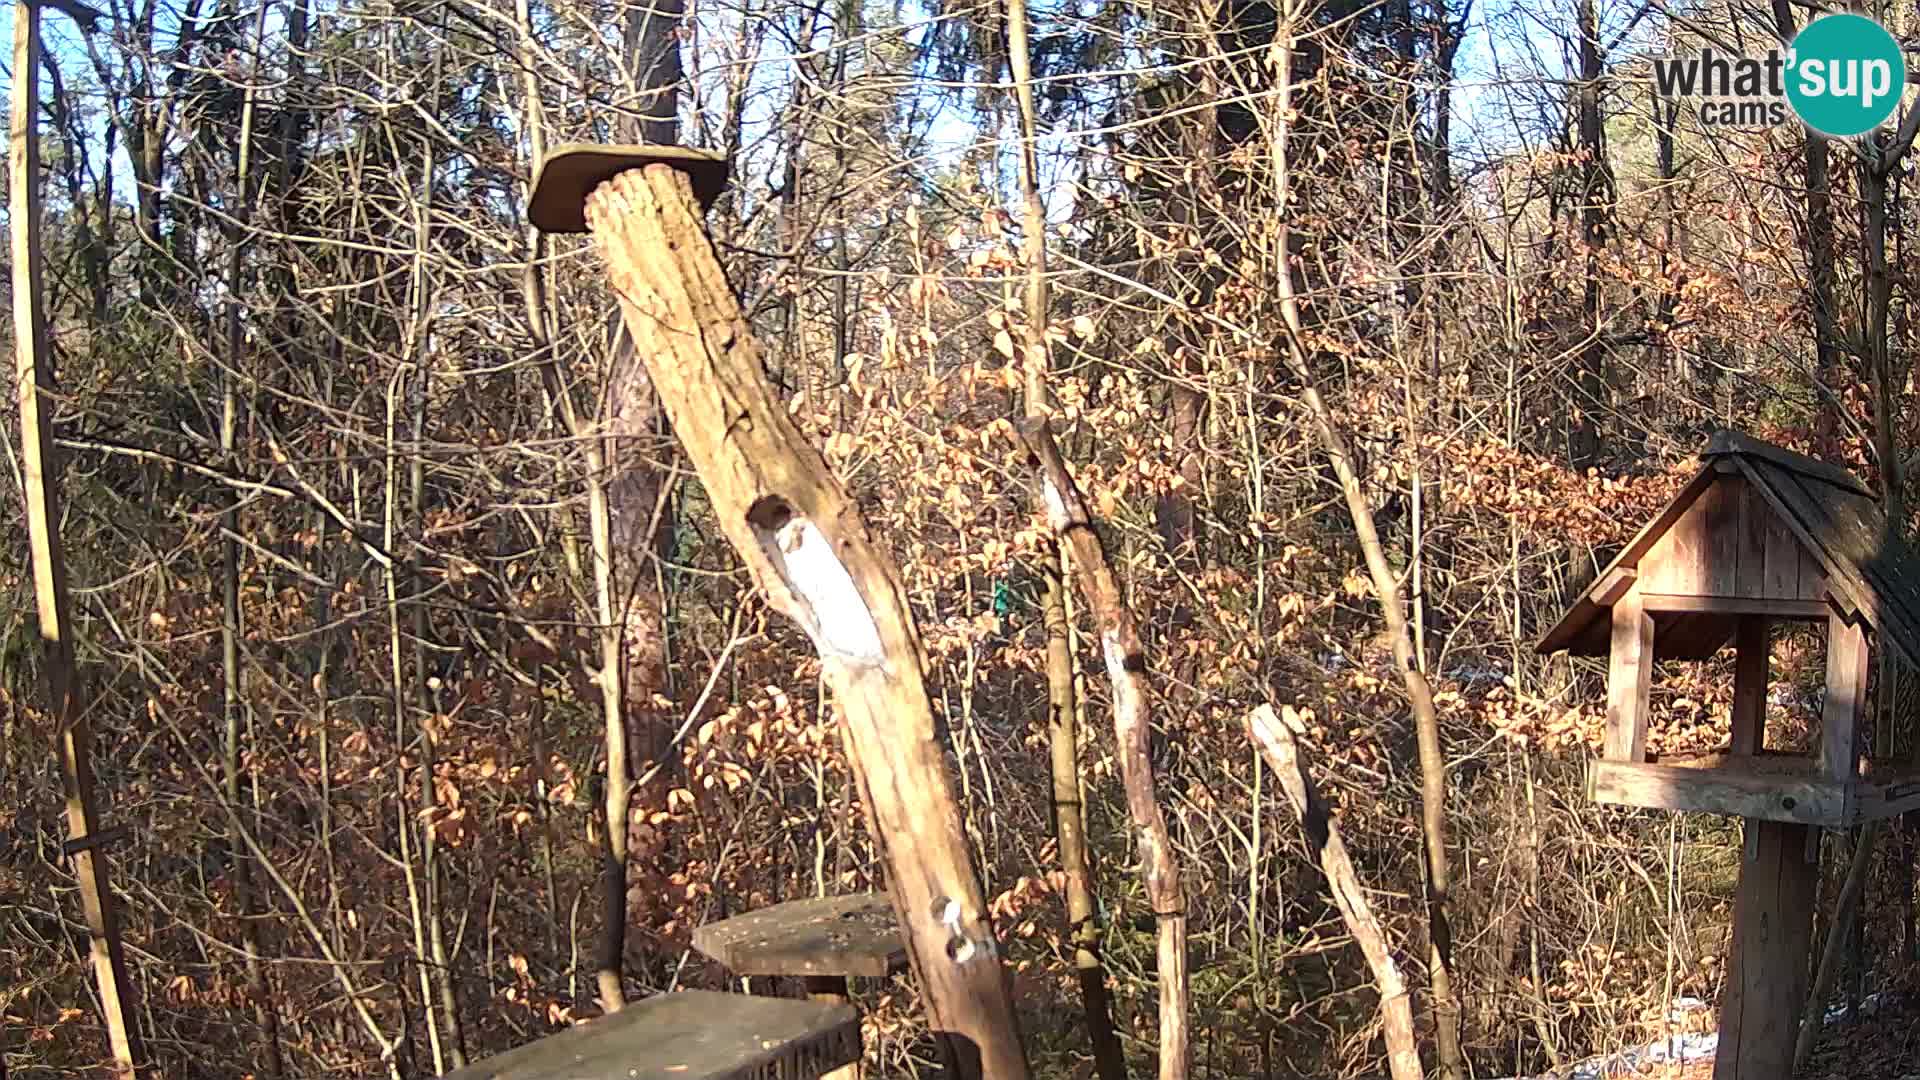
(1629, 679)
(1773, 904)
(1846, 696)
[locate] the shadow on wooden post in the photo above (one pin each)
(808, 547)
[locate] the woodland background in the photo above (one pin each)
(333, 481)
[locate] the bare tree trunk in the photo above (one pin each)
(1830, 363)
(1126, 662)
(233, 704)
(40, 468)
(1386, 587)
(1063, 732)
(1583, 434)
(1272, 735)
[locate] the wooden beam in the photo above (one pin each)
(1629, 680)
(1767, 967)
(1877, 802)
(1751, 667)
(1736, 605)
(805, 542)
(1727, 790)
(1612, 585)
(40, 466)
(1846, 696)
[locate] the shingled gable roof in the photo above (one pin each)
(1833, 515)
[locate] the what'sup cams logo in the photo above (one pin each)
(1842, 76)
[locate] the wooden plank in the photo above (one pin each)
(1751, 667)
(834, 935)
(71, 731)
(1877, 801)
(691, 1035)
(1813, 580)
(1728, 790)
(1784, 551)
(1767, 967)
(1629, 680)
(805, 542)
(1755, 522)
(1737, 605)
(1612, 585)
(1719, 557)
(1846, 697)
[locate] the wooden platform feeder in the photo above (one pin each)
(691, 1035)
(1761, 535)
(823, 942)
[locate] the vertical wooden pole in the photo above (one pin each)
(1629, 679)
(1767, 968)
(1846, 696)
(1772, 909)
(1751, 669)
(33, 380)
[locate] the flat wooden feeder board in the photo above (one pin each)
(691, 1035)
(831, 936)
(1759, 535)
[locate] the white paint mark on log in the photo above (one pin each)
(842, 625)
(1056, 507)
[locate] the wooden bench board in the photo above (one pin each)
(691, 1035)
(834, 935)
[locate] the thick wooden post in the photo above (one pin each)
(33, 379)
(807, 545)
(1767, 970)
(1773, 906)
(1629, 680)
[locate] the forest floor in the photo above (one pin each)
(1883, 1043)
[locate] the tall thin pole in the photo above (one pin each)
(33, 382)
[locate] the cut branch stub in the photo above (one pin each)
(807, 545)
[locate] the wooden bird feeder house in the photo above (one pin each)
(1760, 536)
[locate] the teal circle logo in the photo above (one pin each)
(1845, 75)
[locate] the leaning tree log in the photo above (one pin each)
(808, 546)
(1126, 660)
(1274, 735)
